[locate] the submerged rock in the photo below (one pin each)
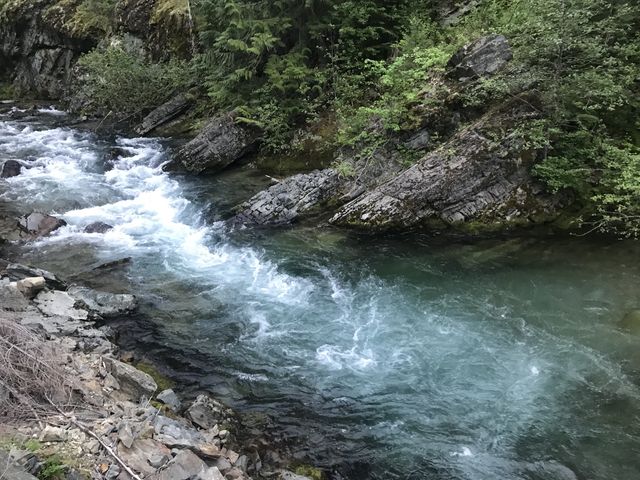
(481, 58)
(220, 143)
(40, 224)
(97, 227)
(631, 321)
(11, 168)
(287, 200)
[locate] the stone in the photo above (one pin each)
(132, 381)
(289, 199)
(10, 168)
(170, 399)
(104, 304)
(211, 473)
(157, 460)
(17, 271)
(97, 227)
(174, 434)
(419, 141)
(166, 112)
(205, 412)
(10, 471)
(137, 457)
(125, 435)
(234, 474)
(483, 57)
(220, 143)
(242, 462)
(52, 434)
(185, 466)
(112, 472)
(287, 475)
(40, 224)
(30, 286)
(59, 304)
(223, 465)
(231, 455)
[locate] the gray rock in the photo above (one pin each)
(174, 434)
(242, 462)
(211, 473)
(52, 434)
(125, 435)
(112, 472)
(12, 471)
(220, 143)
(166, 112)
(137, 457)
(472, 178)
(157, 460)
(104, 304)
(481, 58)
(40, 224)
(419, 141)
(287, 475)
(59, 304)
(10, 168)
(132, 381)
(285, 201)
(170, 399)
(223, 465)
(17, 271)
(205, 412)
(97, 227)
(185, 466)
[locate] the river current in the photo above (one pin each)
(401, 357)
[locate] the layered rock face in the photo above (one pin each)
(220, 143)
(36, 52)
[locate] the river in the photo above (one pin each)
(397, 357)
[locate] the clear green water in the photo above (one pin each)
(381, 358)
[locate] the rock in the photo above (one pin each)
(137, 457)
(31, 286)
(97, 227)
(176, 435)
(231, 455)
(112, 472)
(132, 381)
(125, 435)
(52, 434)
(170, 399)
(481, 58)
(471, 179)
(205, 412)
(185, 466)
(166, 112)
(242, 462)
(121, 262)
(11, 168)
(220, 143)
(285, 201)
(17, 271)
(287, 475)
(419, 141)
(40, 224)
(59, 304)
(104, 304)
(234, 474)
(223, 465)
(211, 473)
(10, 471)
(157, 460)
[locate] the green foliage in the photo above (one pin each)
(53, 469)
(93, 17)
(123, 82)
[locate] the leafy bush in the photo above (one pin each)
(123, 82)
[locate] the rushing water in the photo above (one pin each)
(388, 358)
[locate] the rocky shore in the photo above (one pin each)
(95, 414)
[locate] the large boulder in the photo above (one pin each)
(220, 143)
(472, 182)
(481, 58)
(285, 201)
(40, 224)
(132, 381)
(97, 227)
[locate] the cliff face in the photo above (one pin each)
(41, 40)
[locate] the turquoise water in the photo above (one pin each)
(399, 357)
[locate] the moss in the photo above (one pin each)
(161, 380)
(7, 92)
(309, 471)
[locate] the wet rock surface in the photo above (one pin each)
(285, 201)
(40, 224)
(97, 227)
(10, 168)
(219, 144)
(166, 112)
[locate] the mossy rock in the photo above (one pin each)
(310, 471)
(162, 381)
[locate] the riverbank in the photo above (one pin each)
(94, 414)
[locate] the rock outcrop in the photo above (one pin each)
(166, 112)
(481, 58)
(285, 201)
(475, 177)
(220, 143)
(39, 224)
